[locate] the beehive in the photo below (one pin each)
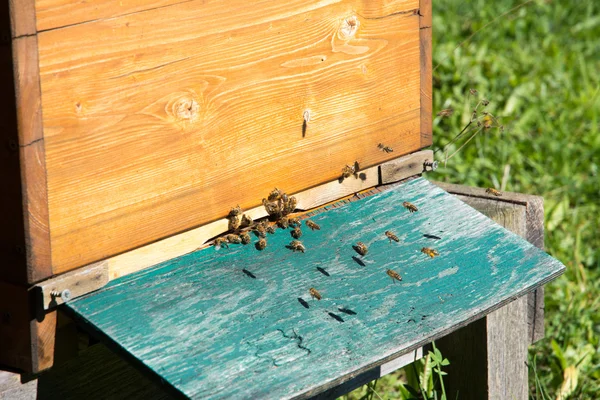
(127, 122)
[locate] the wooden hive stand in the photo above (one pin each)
(132, 128)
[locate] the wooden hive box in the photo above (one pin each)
(127, 122)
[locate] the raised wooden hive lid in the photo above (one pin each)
(158, 116)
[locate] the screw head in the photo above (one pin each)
(433, 165)
(65, 295)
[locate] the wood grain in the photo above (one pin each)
(252, 338)
(425, 37)
(152, 128)
(22, 17)
(32, 158)
(488, 358)
(534, 221)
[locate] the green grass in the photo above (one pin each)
(540, 69)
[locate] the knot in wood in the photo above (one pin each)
(185, 108)
(349, 28)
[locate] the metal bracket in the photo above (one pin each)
(65, 287)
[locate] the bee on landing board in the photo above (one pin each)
(314, 293)
(271, 229)
(384, 148)
(261, 229)
(312, 225)
(235, 211)
(410, 207)
(361, 248)
(294, 221)
(394, 275)
(245, 238)
(289, 206)
(261, 244)
(493, 191)
(283, 222)
(391, 236)
(296, 233)
(347, 171)
(220, 242)
(234, 239)
(247, 220)
(272, 208)
(430, 252)
(297, 245)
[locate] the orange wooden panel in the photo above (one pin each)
(159, 121)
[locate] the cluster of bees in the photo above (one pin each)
(279, 206)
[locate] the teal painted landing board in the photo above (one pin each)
(240, 323)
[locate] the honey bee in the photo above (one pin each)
(235, 211)
(361, 248)
(347, 171)
(261, 228)
(283, 222)
(391, 236)
(261, 244)
(271, 207)
(296, 233)
(245, 238)
(234, 239)
(290, 205)
(445, 112)
(247, 220)
(430, 252)
(234, 222)
(312, 225)
(220, 242)
(394, 275)
(271, 229)
(384, 148)
(314, 293)
(294, 221)
(297, 245)
(275, 194)
(410, 206)
(493, 191)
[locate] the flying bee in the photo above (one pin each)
(384, 148)
(296, 233)
(430, 252)
(294, 221)
(247, 220)
(220, 242)
(261, 228)
(447, 112)
(312, 225)
(394, 275)
(261, 244)
(391, 236)
(410, 206)
(493, 191)
(361, 248)
(234, 239)
(283, 222)
(314, 293)
(245, 238)
(297, 245)
(275, 194)
(271, 229)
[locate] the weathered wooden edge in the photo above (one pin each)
(425, 34)
(371, 375)
(22, 18)
(77, 283)
(534, 214)
(404, 167)
(31, 141)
